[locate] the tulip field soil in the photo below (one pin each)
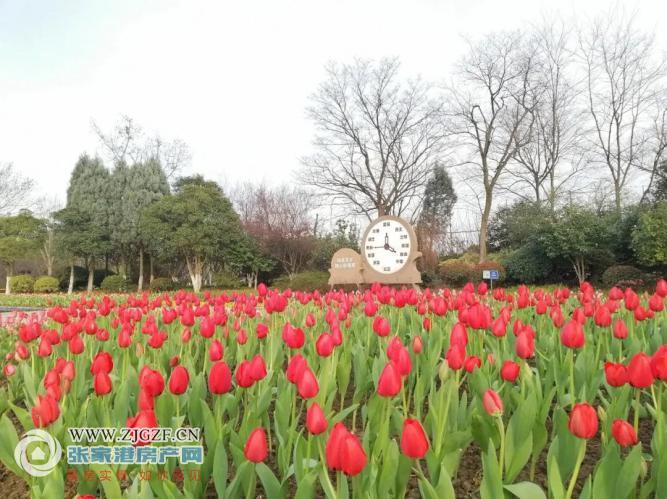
(527, 393)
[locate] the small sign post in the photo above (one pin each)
(491, 275)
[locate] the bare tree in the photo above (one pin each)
(15, 189)
(552, 157)
(46, 207)
(657, 147)
(492, 112)
(377, 138)
(623, 77)
(280, 220)
(128, 142)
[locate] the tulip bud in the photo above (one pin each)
(443, 371)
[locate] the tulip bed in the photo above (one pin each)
(381, 393)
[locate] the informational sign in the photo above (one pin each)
(486, 274)
(494, 275)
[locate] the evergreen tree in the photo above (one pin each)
(84, 222)
(20, 235)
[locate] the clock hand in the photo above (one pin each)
(391, 249)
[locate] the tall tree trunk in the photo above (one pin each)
(91, 276)
(10, 273)
(617, 197)
(70, 287)
(151, 269)
(195, 269)
(140, 284)
(484, 225)
(7, 286)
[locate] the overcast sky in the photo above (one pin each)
(231, 79)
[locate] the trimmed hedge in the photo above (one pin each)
(304, 281)
(161, 284)
(46, 284)
(622, 275)
(114, 283)
(456, 272)
(21, 283)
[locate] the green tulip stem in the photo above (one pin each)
(638, 394)
(657, 403)
(501, 430)
(577, 467)
(572, 389)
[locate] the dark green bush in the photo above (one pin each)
(21, 284)
(621, 274)
(226, 280)
(80, 277)
(304, 281)
(114, 284)
(46, 284)
(527, 265)
(161, 284)
(456, 272)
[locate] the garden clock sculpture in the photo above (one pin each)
(388, 256)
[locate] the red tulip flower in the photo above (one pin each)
(510, 371)
(215, 351)
(151, 381)
(256, 449)
(572, 335)
(417, 345)
(257, 368)
(659, 363)
(615, 373)
(102, 362)
(414, 442)
(525, 345)
(620, 329)
(324, 345)
(45, 412)
(640, 374)
(220, 378)
(316, 421)
(179, 380)
(624, 433)
(583, 421)
(102, 383)
(307, 384)
(492, 403)
(344, 451)
(381, 326)
(295, 368)
(390, 382)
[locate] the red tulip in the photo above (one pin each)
(417, 345)
(145, 419)
(472, 363)
(492, 403)
(624, 433)
(583, 421)
(45, 412)
(381, 326)
(102, 362)
(257, 368)
(295, 368)
(332, 451)
(344, 451)
(414, 442)
(572, 335)
(455, 356)
(151, 381)
(620, 329)
(316, 421)
(293, 336)
(525, 345)
(102, 383)
(215, 351)
(262, 330)
(220, 378)
(243, 377)
(390, 382)
(324, 345)
(640, 374)
(307, 384)
(659, 363)
(510, 371)
(179, 380)
(661, 288)
(616, 374)
(256, 449)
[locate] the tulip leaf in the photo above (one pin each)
(388, 470)
(270, 483)
(306, 486)
(553, 471)
(526, 490)
(492, 484)
(8, 442)
(110, 483)
(327, 486)
(626, 479)
(220, 468)
(445, 489)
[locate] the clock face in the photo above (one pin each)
(387, 246)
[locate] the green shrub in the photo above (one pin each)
(456, 272)
(46, 284)
(80, 277)
(304, 281)
(114, 284)
(21, 284)
(226, 280)
(161, 284)
(527, 265)
(622, 275)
